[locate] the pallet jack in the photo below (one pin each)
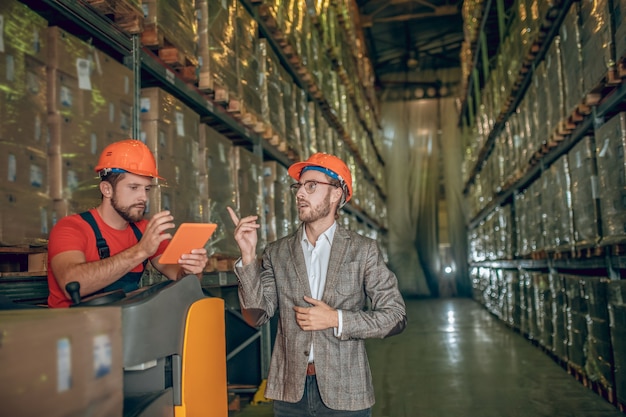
(174, 349)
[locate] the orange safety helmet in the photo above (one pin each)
(128, 155)
(333, 167)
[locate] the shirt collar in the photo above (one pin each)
(328, 234)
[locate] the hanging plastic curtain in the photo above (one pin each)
(416, 134)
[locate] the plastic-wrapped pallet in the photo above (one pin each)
(557, 206)
(222, 191)
(598, 351)
(170, 129)
(616, 295)
(272, 100)
(248, 175)
(217, 48)
(559, 315)
(569, 34)
(596, 36)
(610, 141)
(90, 106)
(576, 322)
(584, 179)
(250, 79)
(25, 202)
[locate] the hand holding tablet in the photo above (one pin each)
(188, 236)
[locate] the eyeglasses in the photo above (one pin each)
(309, 186)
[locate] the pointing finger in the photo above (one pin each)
(233, 216)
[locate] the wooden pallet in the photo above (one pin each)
(220, 263)
(587, 252)
(125, 15)
(23, 261)
(170, 53)
(605, 86)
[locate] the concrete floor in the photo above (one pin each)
(456, 359)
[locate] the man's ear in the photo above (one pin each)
(106, 188)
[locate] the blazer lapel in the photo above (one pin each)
(298, 258)
(340, 244)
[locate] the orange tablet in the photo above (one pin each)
(188, 236)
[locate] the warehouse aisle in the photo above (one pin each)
(456, 359)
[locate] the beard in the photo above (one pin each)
(315, 213)
(125, 212)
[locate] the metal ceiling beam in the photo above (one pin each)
(446, 10)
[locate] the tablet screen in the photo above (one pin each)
(188, 236)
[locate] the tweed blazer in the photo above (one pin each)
(356, 274)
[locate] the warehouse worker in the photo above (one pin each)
(108, 247)
(319, 278)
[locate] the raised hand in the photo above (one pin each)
(155, 232)
(245, 235)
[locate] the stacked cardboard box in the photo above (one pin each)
(61, 362)
(250, 76)
(559, 316)
(222, 191)
(598, 350)
(569, 34)
(616, 295)
(171, 26)
(584, 177)
(248, 173)
(596, 37)
(217, 47)
(272, 100)
(90, 106)
(610, 141)
(170, 129)
(25, 204)
(576, 321)
(278, 200)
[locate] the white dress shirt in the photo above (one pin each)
(316, 258)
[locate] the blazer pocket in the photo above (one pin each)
(350, 281)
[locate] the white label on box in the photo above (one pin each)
(126, 85)
(224, 4)
(142, 137)
(170, 76)
(83, 72)
(94, 143)
(36, 41)
(72, 180)
(111, 112)
(10, 68)
(32, 82)
(177, 174)
(12, 168)
(124, 121)
(144, 6)
(180, 124)
(102, 356)
(144, 105)
(36, 176)
(1, 33)
(37, 128)
(594, 187)
(66, 96)
(604, 152)
(162, 139)
(64, 365)
(44, 220)
(222, 152)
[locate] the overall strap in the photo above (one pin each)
(138, 235)
(101, 244)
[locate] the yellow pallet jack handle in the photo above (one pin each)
(204, 386)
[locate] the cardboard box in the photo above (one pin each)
(61, 362)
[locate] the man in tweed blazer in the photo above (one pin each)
(319, 280)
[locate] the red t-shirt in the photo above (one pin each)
(74, 233)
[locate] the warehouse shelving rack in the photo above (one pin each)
(610, 103)
(84, 22)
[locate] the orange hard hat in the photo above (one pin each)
(128, 155)
(331, 166)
